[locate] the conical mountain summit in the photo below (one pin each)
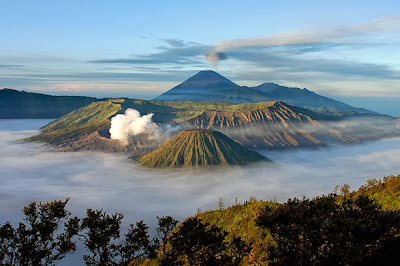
(198, 87)
(199, 148)
(209, 86)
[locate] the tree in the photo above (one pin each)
(345, 189)
(100, 234)
(36, 241)
(327, 230)
(221, 203)
(166, 225)
(196, 243)
(137, 244)
(237, 249)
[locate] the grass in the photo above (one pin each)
(240, 221)
(83, 121)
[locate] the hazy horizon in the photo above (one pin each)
(339, 48)
(382, 105)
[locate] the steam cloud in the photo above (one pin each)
(130, 124)
(316, 36)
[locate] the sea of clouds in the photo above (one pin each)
(110, 181)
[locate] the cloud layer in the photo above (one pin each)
(318, 36)
(110, 181)
(95, 180)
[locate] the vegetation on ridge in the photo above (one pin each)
(353, 228)
(79, 122)
(28, 105)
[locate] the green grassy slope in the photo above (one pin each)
(194, 148)
(79, 122)
(350, 228)
(255, 125)
(96, 116)
(185, 110)
(240, 220)
(385, 192)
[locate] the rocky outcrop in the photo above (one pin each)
(275, 126)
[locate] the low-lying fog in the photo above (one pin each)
(110, 181)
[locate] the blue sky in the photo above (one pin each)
(142, 48)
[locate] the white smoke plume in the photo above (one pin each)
(130, 124)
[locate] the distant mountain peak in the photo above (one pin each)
(201, 84)
(207, 78)
(268, 84)
(207, 74)
(208, 86)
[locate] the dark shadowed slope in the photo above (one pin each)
(305, 98)
(21, 104)
(199, 87)
(196, 148)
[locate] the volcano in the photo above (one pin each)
(199, 87)
(200, 148)
(209, 86)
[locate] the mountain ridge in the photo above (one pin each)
(195, 88)
(16, 104)
(265, 125)
(269, 124)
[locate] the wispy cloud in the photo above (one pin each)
(284, 54)
(175, 42)
(284, 64)
(314, 36)
(177, 52)
(10, 66)
(300, 58)
(115, 76)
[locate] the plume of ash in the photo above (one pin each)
(214, 57)
(130, 124)
(311, 36)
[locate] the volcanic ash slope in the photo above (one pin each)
(200, 148)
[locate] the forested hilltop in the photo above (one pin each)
(344, 227)
(20, 104)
